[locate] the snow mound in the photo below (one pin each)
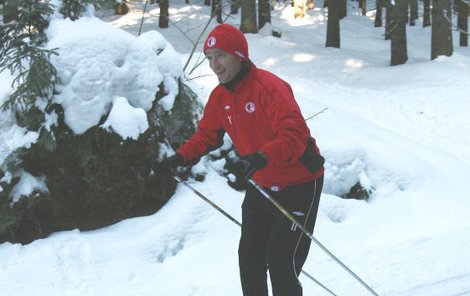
(97, 63)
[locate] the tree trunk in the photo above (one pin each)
(441, 33)
(164, 14)
(399, 54)
(121, 8)
(462, 21)
(333, 28)
(264, 10)
(364, 7)
(344, 9)
(388, 20)
(234, 6)
(248, 17)
(378, 15)
(426, 13)
(216, 10)
(406, 14)
(413, 12)
(207, 2)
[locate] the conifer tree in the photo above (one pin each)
(73, 9)
(23, 54)
(93, 179)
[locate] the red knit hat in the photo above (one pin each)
(229, 39)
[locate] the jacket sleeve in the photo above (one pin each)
(287, 123)
(209, 135)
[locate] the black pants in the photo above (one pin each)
(270, 241)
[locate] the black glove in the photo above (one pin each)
(247, 165)
(167, 165)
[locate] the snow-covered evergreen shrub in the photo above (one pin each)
(87, 162)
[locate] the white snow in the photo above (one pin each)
(125, 120)
(96, 63)
(402, 131)
(27, 184)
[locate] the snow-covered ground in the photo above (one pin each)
(402, 131)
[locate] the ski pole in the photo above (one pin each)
(316, 114)
(306, 232)
(195, 191)
(319, 283)
(143, 15)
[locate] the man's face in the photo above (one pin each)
(224, 64)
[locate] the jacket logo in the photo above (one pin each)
(250, 107)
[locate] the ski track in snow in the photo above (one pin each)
(414, 268)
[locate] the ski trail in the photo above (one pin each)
(454, 286)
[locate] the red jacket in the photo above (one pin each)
(259, 114)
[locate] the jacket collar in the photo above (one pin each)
(246, 67)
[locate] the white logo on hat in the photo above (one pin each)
(211, 41)
(250, 107)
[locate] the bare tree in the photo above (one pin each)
(388, 20)
(399, 54)
(248, 17)
(264, 12)
(163, 20)
(216, 10)
(426, 13)
(462, 21)
(234, 4)
(333, 29)
(379, 4)
(344, 9)
(413, 12)
(363, 6)
(441, 33)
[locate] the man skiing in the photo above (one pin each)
(258, 111)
